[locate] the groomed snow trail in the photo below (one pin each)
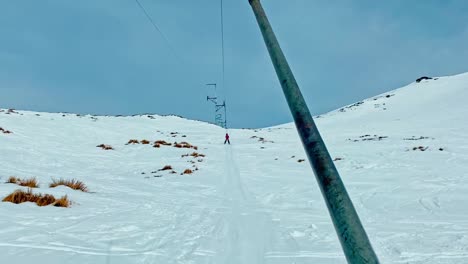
(244, 230)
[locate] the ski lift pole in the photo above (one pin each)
(353, 238)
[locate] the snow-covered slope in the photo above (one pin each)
(403, 156)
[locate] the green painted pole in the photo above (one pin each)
(353, 238)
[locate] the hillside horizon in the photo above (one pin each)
(164, 189)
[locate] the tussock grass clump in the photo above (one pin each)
(133, 141)
(421, 148)
(31, 183)
(105, 147)
(167, 167)
(13, 179)
(20, 196)
(144, 142)
(162, 142)
(62, 202)
(185, 145)
(4, 131)
(73, 184)
(187, 171)
(45, 200)
(194, 154)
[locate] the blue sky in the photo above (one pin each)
(104, 57)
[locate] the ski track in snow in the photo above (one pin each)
(243, 232)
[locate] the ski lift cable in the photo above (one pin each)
(222, 44)
(166, 39)
(155, 26)
(223, 63)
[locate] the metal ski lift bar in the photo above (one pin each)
(354, 241)
(219, 120)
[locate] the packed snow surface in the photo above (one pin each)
(403, 156)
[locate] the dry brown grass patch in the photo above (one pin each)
(184, 145)
(45, 200)
(62, 202)
(162, 142)
(20, 196)
(196, 155)
(13, 179)
(167, 167)
(105, 147)
(187, 171)
(31, 183)
(73, 184)
(144, 142)
(133, 141)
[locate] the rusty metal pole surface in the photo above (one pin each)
(354, 241)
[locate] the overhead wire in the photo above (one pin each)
(223, 62)
(158, 29)
(222, 44)
(173, 50)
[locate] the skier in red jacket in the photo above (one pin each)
(227, 139)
